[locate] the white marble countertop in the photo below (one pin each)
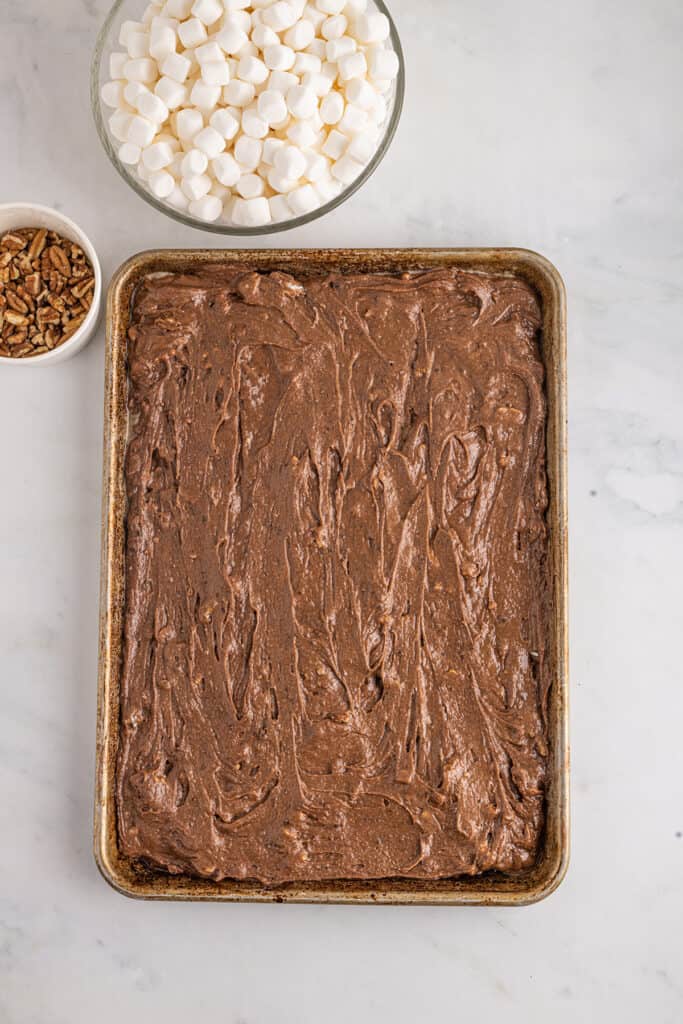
(551, 126)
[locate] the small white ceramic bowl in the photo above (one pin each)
(31, 215)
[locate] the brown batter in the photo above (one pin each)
(337, 583)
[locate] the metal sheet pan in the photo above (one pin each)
(493, 888)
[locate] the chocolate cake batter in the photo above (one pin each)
(336, 577)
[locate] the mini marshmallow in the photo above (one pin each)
(335, 145)
(302, 133)
(141, 131)
(330, 6)
(191, 33)
(382, 64)
(250, 186)
(209, 141)
(330, 69)
(129, 153)
(303, 199)
(290, 162)
(157, 156)
(306, 63)
(263, 36)
(231, 39)
(279, 208)
(335, 49)
(159, 21)
(208, 51)
(127, 29)
(278, 57)
(301, 101)
(355, 7)
(238, 94)
(346, 169)
(133, 91)
(220, 191)
(315, 16)
(334, 27)
(143, 69)
(117, 62)
(362, 147)
(318, 48)
(353, 121)
(170, 92)
(112, 94)
(204, 96)
(270, 148)
(161, 184)
(238, 19)
(280, 15)
(271, 106)
(359, 92)
(215, 72)
(225, 123)
(138, 45)
(372, 27)
(378, 111)
(208, 11)
(188, 123)
(162, 42)
(253, 124)
(332, 107)
(196, 186)
(175, 165)
(175, 66)
(153, 107)
(194, 63)
(118, 125)
(251, 212)
(382, 84)
(319, 83)
(353, 65)
(316, 166)
(178, 199)
(279, 183)
(250, 50)
(226, 169)
(178, 9)
(142, 172)
(300, 35)
(248, 152)
(166, 134)
(170, 138)
(236, 5)
(282, 81)
(327, 188)
(193, 162)
(208, 208)
(253, 70)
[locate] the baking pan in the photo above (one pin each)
(492, 888)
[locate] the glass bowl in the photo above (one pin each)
(108, 42)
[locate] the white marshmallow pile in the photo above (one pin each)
(251, 111)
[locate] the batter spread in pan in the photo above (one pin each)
(337, 578)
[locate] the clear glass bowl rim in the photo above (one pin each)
(103, 42)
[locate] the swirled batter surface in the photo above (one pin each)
(337, 588)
